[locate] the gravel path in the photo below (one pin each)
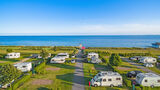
(78, 81)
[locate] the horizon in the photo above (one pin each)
(80, 17)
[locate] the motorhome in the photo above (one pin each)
(148, 60)
(107, 78)
(12, 55)
(148, 79)
(65, 55)
(24, 67)
(94, 59)
(90, 55)
(58, 59)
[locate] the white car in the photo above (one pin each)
(73, 61)
(148, 65)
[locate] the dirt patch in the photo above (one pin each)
(53, 69)
(42, 82)
(2, 61)
(123, 68)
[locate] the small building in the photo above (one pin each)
(58, 59)
(148, 79)
(148, 60)
(66, 55)
(24, 67)
(92, 54)
(12, 55)
(107, 78)
(156, 45)
(94, 59)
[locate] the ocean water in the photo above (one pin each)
(88, 41)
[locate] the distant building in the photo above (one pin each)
(90, 55)
(12, 55)
(156, 45)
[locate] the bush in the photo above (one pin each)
(21, 81)
(127, 82)
(40, 68)
(138, 88)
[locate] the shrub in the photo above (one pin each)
(127, 82)
(40, 68)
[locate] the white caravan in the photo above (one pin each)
(66, 55)
(90, 55)
(107, 78)
(57, 59)
(148, 60)
(24, 67)
(148, 79)
(94, 59)
(12, 55)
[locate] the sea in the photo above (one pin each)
(86, 40)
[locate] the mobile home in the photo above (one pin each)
(90, 55)
(94, 59)
(148, 60)
(148, 79)
(24, 67)
(12, 55)
(107, 78)
(57, 59)
(66, 55)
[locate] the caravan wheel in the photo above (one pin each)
(111, 85)
(152, 86)
(95, 85)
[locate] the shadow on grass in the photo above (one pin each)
(65, 66)
(42, 88)
(72, 78)
(10, 60)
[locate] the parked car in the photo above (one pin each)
(73, 61)
(135, 58)
(132, 74)
(148, 65)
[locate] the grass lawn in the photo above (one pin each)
(57, 76)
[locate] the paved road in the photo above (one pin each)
(78, 81)
(138, 66)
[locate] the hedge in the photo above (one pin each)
(20, 81)
(40, 68)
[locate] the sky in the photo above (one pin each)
(79, 17)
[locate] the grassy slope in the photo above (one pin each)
(62, 79)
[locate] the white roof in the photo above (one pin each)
(62, 54)
(109, 73)
(147, 57)
(92, 53)
(14, 53)
(20, 64)
(58, 57)
(148, 75)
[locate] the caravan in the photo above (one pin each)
(65, 55)
(90, 55)
(57, 59)
(148, 60)
(12, 55)
(24, 67)
(148, 79)
(107, 78)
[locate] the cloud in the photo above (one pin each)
(123, 29)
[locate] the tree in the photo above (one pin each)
(55, 48)
(44, 54)
(8, 73)
(9, 50)
(115, 60)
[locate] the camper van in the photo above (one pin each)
(90, 55)
(66, 55)
(148, 60)
(107, 78)
(12, 55)
(57, 59)
(94, 59)
(148, 79)
(24, 67)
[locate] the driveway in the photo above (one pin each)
(78, 80)
(138, 66)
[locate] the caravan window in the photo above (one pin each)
(145, 80)
(109, 79)
(118, 78)
(24, 66)
(158, 81)
(104, 80)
